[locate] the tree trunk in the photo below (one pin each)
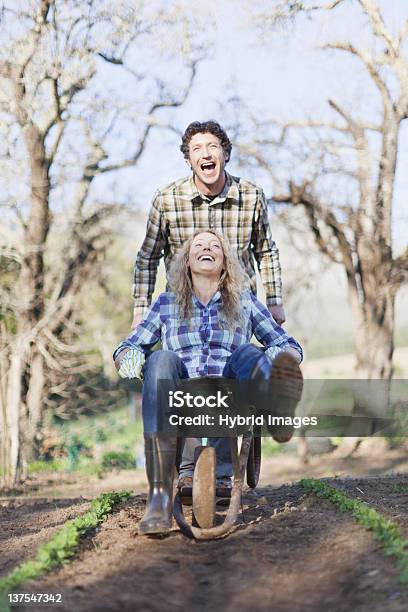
(373, 328)
(32, 268)
(24, 392)
(373, 331)
(4, 451)
(4, 434)
(35, 396)
(13, 415)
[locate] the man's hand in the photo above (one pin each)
(278, 313)
(136, 320)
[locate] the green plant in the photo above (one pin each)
(270, 447)
(107, 430)
(124, 460)
(55, 465)
(75, 448)
(64, 544)
(100, 435)
(387, 532)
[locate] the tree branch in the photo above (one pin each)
(316, 212)
(111, 60)
(403, 34)
(309, 123)
(399, 271)
(371, 68)
(373, 13)
(296, 197)
(363, 156)
(319, 7)
(150, 124)
(67, 95)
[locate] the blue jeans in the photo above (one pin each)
(167, 365)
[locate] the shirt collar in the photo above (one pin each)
(230, 191)
(215, 298)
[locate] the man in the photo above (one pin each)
(209, 198)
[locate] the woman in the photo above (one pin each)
(205, 324)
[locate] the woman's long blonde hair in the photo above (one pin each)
(232, 282)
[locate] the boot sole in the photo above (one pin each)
(154, 530)
(286, 382)
(223, 492)
(286, 372)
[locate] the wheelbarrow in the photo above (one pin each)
(245, 462)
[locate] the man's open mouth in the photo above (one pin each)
(208, 167)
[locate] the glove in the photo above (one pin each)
(131, 364)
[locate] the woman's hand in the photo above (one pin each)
(119, 357)
(129, 363)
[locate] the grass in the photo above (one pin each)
(61, 548)
(270, 447)
(113, 429)
(87, 442)
(55, 465)
(385, 531)
(121, 460)
(400, 489)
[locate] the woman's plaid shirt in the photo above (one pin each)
(239, 212)
(203, 343)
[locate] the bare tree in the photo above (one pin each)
(60, 120)
(354, 231)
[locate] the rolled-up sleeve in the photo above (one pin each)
(266, 253)
(268, 332)
(146, 334)
(148, 257)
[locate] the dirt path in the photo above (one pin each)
(295, 553)
(291, 552)
(26, 523)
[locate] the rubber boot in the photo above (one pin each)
(279, 385)
(160, 453)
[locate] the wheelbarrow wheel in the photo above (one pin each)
(254, 462)
(204, 487)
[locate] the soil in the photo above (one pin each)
(290, 552)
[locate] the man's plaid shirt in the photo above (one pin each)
(203, 343)
(239, 212)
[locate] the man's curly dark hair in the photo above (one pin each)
(211, 127)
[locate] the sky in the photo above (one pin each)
(279, 74)
(282, 75)
(275, 74)
(248, 69)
